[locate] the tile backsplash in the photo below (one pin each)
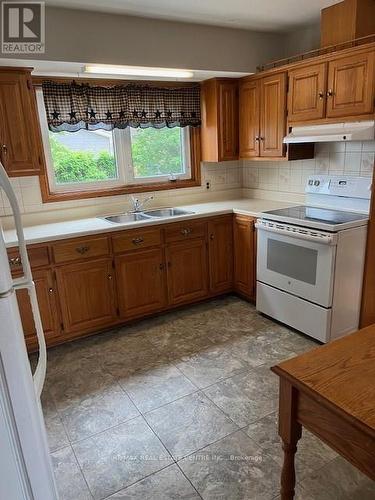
(336, 158)
(225, 182)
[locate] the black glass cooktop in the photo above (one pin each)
(324, 215)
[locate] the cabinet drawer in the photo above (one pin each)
(81, 249)
(137, 238)
(38, 257)
(185, 230)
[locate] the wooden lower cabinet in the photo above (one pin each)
(244, 256)
(187, 271)
(181, 263)
(48, 307)
(220, 250)
(141, 282)
(86, 291)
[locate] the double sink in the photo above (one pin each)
(162, 213)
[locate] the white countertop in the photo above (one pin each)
(81, 227)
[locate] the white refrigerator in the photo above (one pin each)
(25, 464)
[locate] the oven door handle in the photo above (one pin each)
(310, 235)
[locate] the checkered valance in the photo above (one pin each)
(72, 106)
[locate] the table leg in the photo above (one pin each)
(290, 431)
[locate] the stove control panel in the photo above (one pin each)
(347, 186)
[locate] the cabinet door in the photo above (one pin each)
(249, 107)
(48, 307)
(19, 124)
(307, 93)
(351, 86)
(141, 284)
(244, 255)
(220, 254)
(228, 121)
(187, 271)
(273, 115)
(86, 294)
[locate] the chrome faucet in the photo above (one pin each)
(138, 205)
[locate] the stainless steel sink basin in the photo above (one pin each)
(123, 218)
(167, 212)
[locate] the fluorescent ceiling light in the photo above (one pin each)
(107, 69)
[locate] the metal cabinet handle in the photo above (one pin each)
(137, 241)
(109, 276)
(82, 250)
(4, 149)
(161, 266)
(186, 231)
(262, 138)
(15, 261)
(321, 95)
(330, 93)
(257, 138)
(212, 236)
(50, 290)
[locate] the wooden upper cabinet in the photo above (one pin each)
(19, 124)
(263, 116)
(307, 93)
(228, 120)
(219, 132)
(48, 307)
(273, 115)
(187, 270)
(351, 85)
(86, 295)
(249, 118)
(244, 255)
(141, 284)
(220, 252)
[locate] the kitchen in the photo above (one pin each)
(187, 230)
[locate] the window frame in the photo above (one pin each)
(53, 193)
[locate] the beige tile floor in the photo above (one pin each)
(182, 406)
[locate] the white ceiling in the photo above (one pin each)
(250, 14)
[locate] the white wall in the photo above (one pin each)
(84, 36)
(302, 40)
(285, 180)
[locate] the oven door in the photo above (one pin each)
(297, 260)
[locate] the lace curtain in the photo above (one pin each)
(72, 106)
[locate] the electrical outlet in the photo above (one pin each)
(208, 185)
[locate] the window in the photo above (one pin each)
(92, 160)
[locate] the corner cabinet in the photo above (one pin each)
(262, 116)
(20, 138)
(219, 131)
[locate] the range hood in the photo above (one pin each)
(332, 132)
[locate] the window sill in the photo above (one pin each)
(48, 196)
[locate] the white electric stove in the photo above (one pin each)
(311, 258)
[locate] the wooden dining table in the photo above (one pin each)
(330, 391)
